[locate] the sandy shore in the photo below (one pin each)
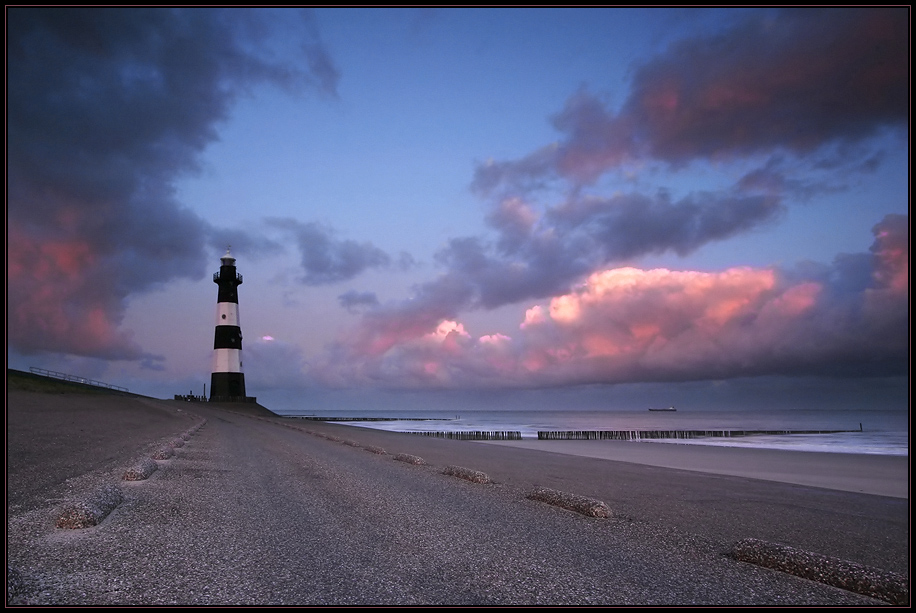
(867, 474)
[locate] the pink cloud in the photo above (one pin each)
(629, 324)
(622, 319)
(616, 319)
(55, 301)
(892, 249)
(794, 80)
(797, 81)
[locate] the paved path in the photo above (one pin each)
(252, 511)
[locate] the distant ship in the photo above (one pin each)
(668, 409)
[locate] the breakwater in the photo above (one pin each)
(636, 435)
(318, 418)
(505, 435)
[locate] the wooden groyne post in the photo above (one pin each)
(505, 435)
(635, 435)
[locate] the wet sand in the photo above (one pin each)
(881, 475)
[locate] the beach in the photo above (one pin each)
(302, 505)
(881, 475)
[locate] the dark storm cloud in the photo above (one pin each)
(794, 81)
(326, 259)
(106, 108)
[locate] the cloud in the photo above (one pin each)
(538, 255)
(891, 249)
(633, 325)
(321, 67)
(353, 300)
(326, 259)
(271, 363)
(106, 108)
(247, 241)
(47, 283)
(794, 81)
(624, 227)
(777, 86)
(389, 325)
(782, 86)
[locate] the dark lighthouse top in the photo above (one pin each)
(227, 279)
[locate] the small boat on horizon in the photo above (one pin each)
(668, 409)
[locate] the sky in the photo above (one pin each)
(497, 208)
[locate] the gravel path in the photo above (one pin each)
(254, 511)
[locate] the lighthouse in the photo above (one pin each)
(227, 383)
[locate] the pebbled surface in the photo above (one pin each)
(253, 511)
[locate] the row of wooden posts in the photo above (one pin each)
(476, 435)
(618, 435)
(631, 435)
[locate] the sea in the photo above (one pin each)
(882, 432)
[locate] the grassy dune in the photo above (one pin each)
(26, 381)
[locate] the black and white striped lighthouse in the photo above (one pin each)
(227, 383)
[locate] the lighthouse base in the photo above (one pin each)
(227, 387)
